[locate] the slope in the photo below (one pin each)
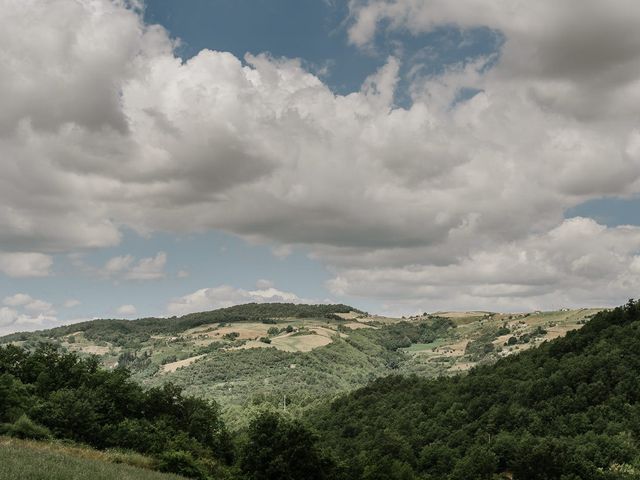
(569, 409)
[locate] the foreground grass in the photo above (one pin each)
(30, 460)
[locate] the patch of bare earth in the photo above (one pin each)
(173, 366)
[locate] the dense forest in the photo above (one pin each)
(566, 410)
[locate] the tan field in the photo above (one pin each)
(173, 366)
(305, 341)
(357, 325)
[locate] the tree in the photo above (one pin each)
(280, 449)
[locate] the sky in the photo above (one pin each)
(162, 157)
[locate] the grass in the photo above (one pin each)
(31, 460)
(421, 347)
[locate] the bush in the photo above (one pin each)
(24, 427)
(503, 331)
(265, 339)
(182, 463)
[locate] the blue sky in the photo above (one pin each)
(413, 157)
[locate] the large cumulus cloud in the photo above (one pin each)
(105, 127)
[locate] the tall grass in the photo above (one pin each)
(32, 460)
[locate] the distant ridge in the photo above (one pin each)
(154, 325)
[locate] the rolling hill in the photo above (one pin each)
(296, 356)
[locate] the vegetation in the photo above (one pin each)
(566, 410)
(28, 460)
(51, 393)
(125, 333)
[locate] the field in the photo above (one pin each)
(30, 460)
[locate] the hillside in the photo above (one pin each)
(568, 409)
(31, 460)
(300, 355)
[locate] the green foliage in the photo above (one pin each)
(280, 449)
(182, 463)
(77, 400)
(14, 397)
(24, 427)
(403, 334)
(504, 330)
(566, 410)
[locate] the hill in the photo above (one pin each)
(297, 356)
(568, 409)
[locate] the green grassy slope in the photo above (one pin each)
(30, 460)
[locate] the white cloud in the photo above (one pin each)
(25, 264)
(23, 313)
(226, 296)
(182, 273)
(40, 306)
(579, 263)
(129, 135)
(28, 303)
(17, 300)
(263, 284)
(148, 268)
(71, 303)
(127, 310)
(125, 266)
(117, 264)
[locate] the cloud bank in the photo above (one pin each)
(443, 202)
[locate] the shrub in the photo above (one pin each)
(182, 463)
(503, 331)
(24, 427)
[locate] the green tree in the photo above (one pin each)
(280, 449)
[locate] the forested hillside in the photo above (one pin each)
(256, 356)
(566, 410)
